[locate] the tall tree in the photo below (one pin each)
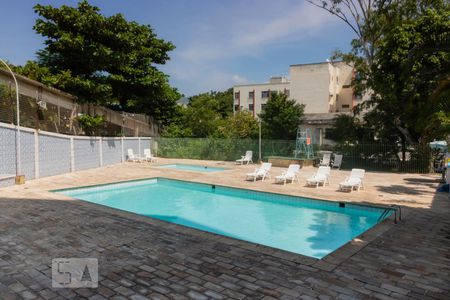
(241, 125)
(281, 117)
(104, 60)
(400, 54)
(410, 76)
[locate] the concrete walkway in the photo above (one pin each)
(142, 258)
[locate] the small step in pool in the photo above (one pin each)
(197, 168)
(301, 225)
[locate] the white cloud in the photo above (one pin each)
(240, 32)
(255, 32)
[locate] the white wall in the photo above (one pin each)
(258, 88)
(47, 153)
(322, 87)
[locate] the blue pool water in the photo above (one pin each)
(192, 168)
(301, 225)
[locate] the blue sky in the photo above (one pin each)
(219, 43)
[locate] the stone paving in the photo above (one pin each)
(143, 258)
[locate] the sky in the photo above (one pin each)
(219, 43)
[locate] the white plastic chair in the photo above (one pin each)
(354, 181)
(326, 159)
(261, 172)
(337, 162)
(289, 175)
(132, 157)
(247, 158)
(148, 156)
(321, 177)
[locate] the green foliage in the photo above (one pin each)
(221, 102)
(91, 125)
(281, 117)
(220, 148)
(176, 131)
(410, 74)
(202, 116)
(401, 55)
(242, 125)
(103, 60)
(349, 129)
(410, 78)
(206, 115)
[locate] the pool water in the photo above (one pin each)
(305, 226)
(197, 168)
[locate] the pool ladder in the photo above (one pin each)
(394, 207)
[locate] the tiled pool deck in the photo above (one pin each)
(142, 258)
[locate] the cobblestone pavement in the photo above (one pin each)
(142, 258)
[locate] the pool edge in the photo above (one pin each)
(330, 260)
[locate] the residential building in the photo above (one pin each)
(324, 88)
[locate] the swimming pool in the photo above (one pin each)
(301, 225)
(197, 168)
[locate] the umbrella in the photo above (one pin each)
(439, 145)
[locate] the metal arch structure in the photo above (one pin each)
(304, 143)
(18, 157)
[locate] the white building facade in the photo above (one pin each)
(324, 88)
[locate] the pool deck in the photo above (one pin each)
(143, 258)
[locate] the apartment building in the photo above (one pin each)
(324, 88)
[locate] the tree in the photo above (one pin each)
(349, 128)
(103, 60)
(281, 117)
(400, 54)
(410, 76)
(91, 125)
(203, 115)
(220, 101)
(241, 125)
(177, 127)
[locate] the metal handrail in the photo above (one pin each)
(393, 207)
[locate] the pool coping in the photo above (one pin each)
(327, 263)
(223, 169)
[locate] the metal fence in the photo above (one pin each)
(46, 153)
(376, 157)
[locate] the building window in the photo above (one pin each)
(250, 107)
(346, 86)
(236, 107)
(251, 95)
(265, 94)
(236, 96)
(263, 106)
(345, 106)
(287, 92)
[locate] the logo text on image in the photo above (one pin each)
(75, 273)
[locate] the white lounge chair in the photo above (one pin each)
(148, 156)
(289, 175)
(326, 160)
(337, 162)
(354, 181)
(321, 177)
(261, 172)
(247, 158)
(133, 157)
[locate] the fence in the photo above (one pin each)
(52, 110)
(376, 157)
(47, 153)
